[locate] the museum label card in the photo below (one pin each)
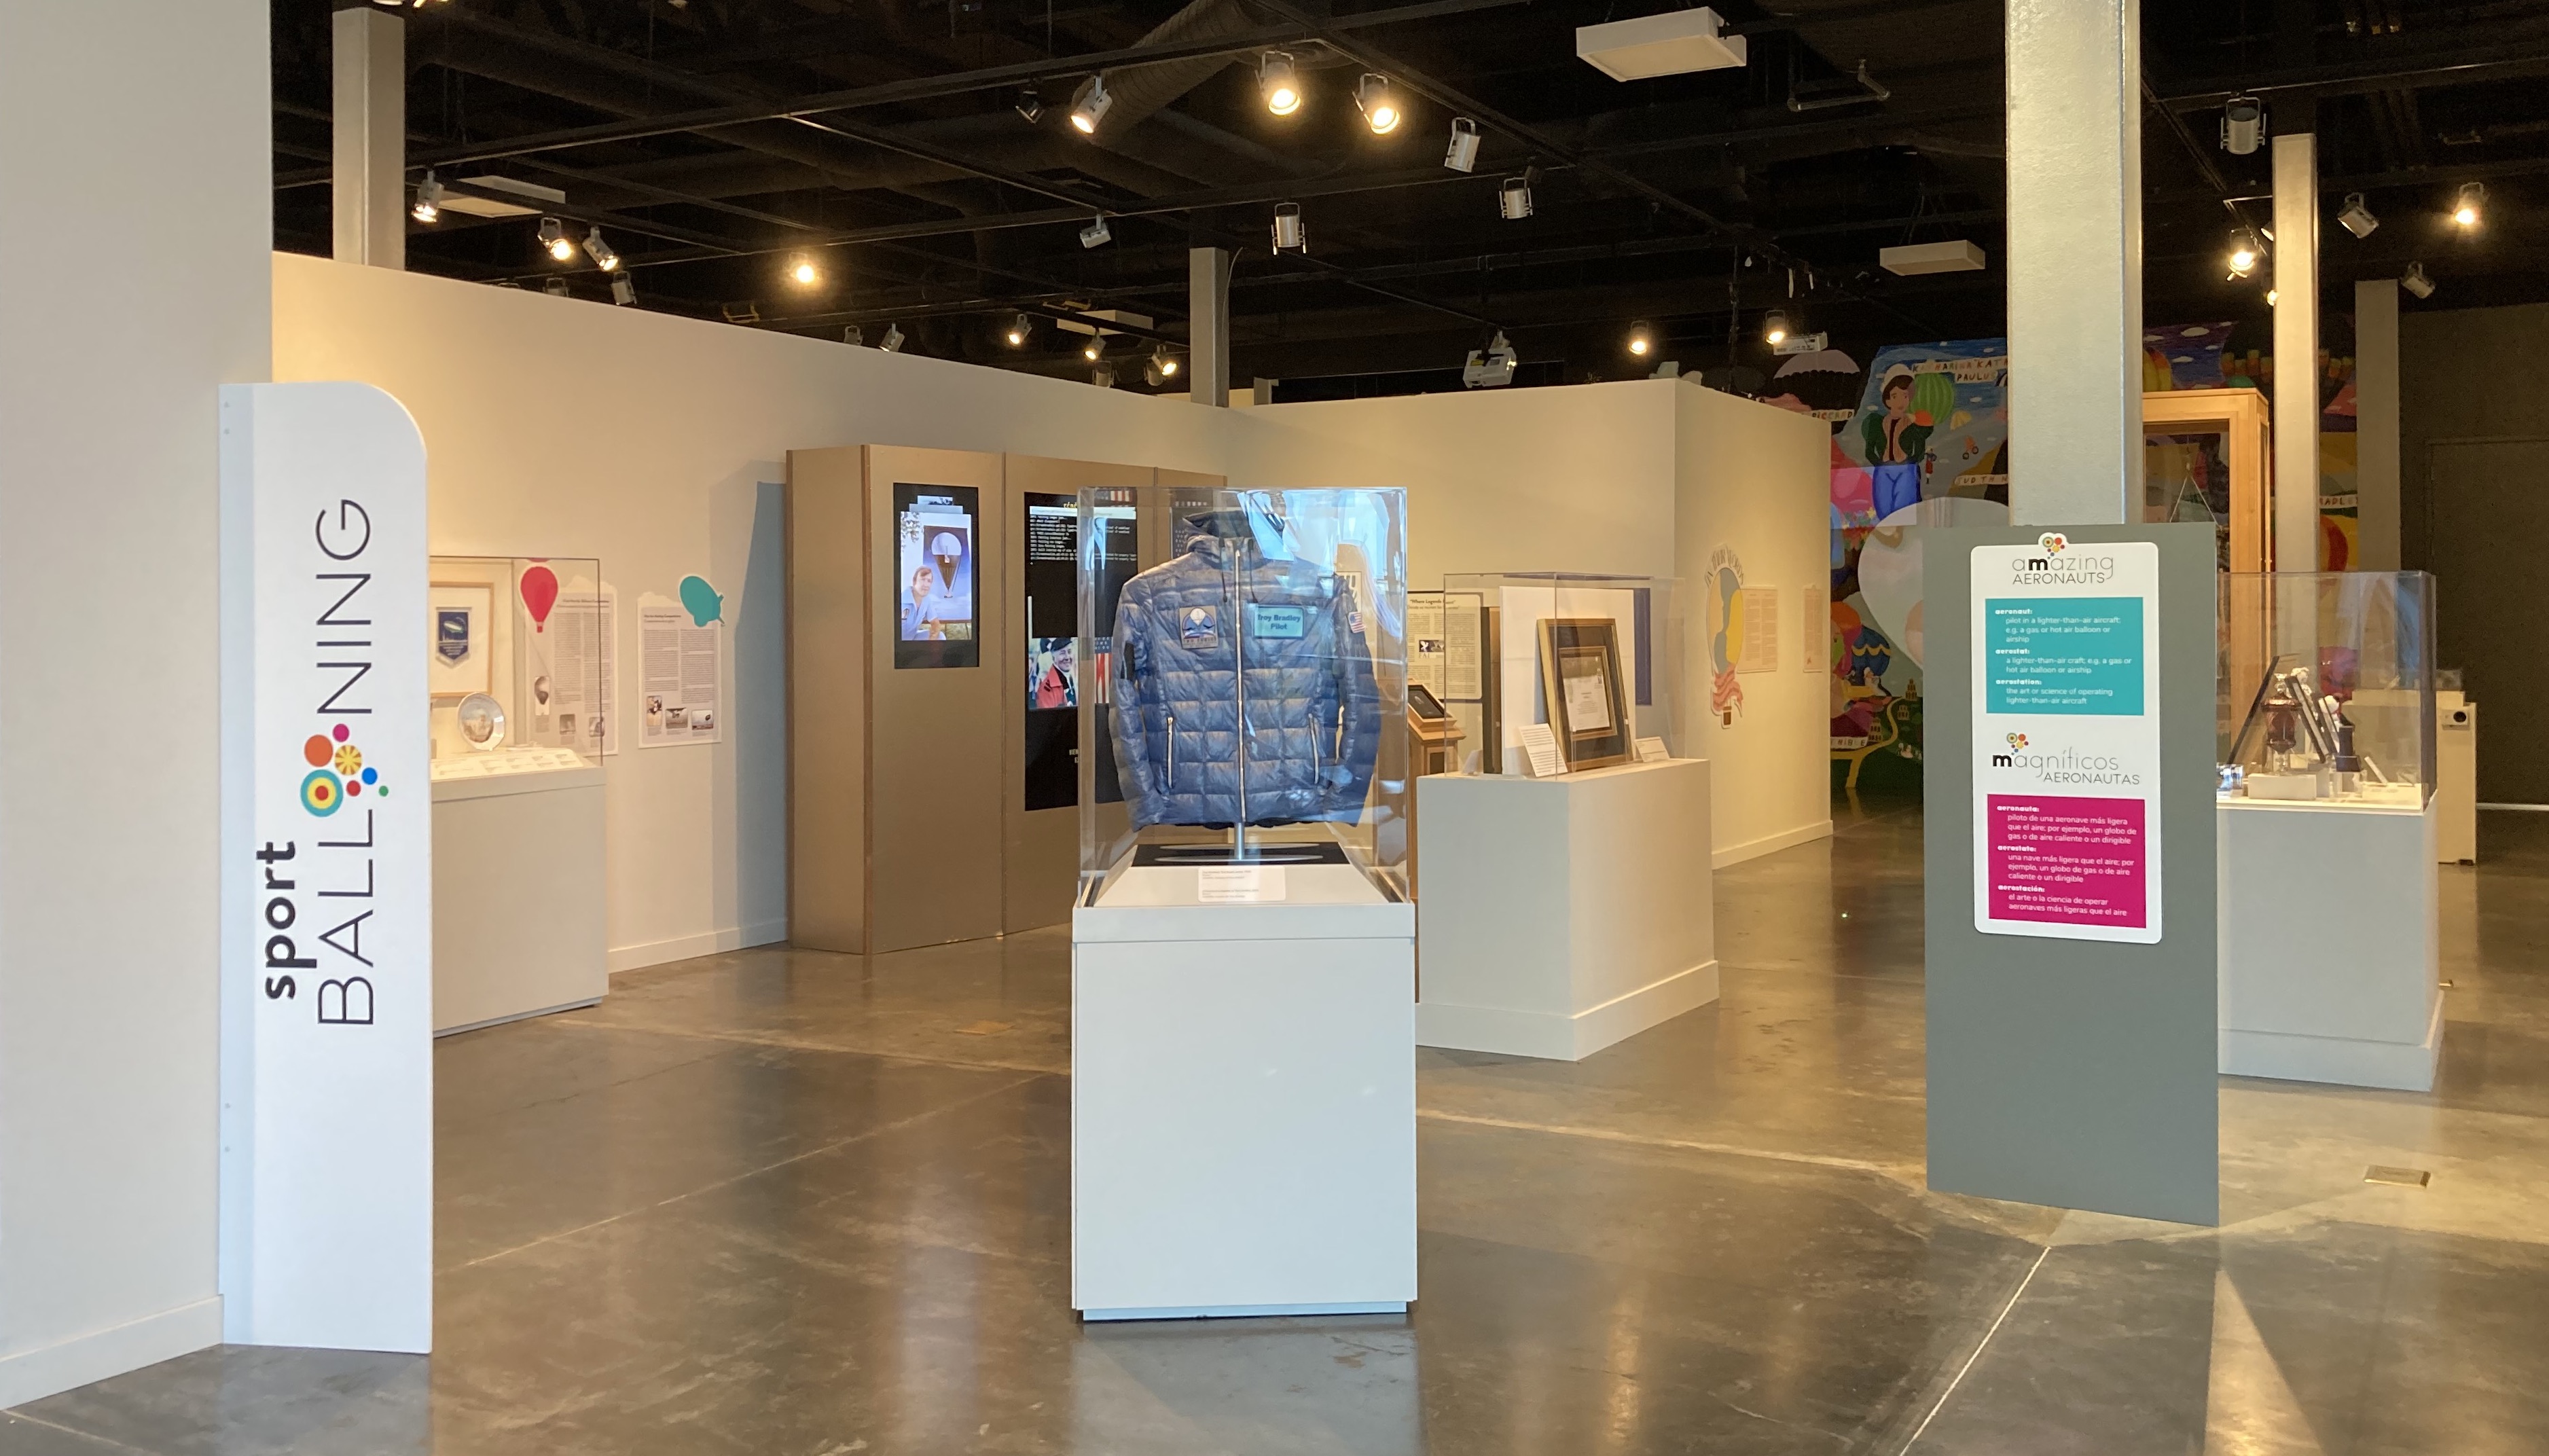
(1540, 745)
(1239, 884)
(1653, 750)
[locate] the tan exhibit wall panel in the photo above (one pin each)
(827, 700)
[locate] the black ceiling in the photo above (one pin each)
(715, 140)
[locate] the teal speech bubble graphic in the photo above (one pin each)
(705, 605)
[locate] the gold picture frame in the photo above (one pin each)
(1586, 698)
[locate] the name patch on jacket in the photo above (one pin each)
(1276, 622)
(1199, 626)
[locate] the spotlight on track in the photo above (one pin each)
(1162, 366)
(429, 200)
(1103, 376)
(553, 238)
(2243, 125)
(1491, 367)
(1019, 329)
(2469, 206)
(1030, 106)
(555, 287)
(2272, 295)
(1279, 82)
(1775, 327)
(1289, 236)
(1642, 338)
(892, 343)
(802, 272)
(2357, 218)
(2245, 252)
(1462, 154)
(604, 255)
(1094, 351)
(1513, 200)
(623, 290)
(2416, 281)
(1378, 101)
(1088, 106)
(1097, 233)
(854, 335)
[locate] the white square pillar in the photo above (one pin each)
(2296, 258)
(371, 138)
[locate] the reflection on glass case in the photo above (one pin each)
(1243, 670)
(518, 663)
(2327, 687)
(1614, 642)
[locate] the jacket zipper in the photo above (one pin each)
(1173, 751)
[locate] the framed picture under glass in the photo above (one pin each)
(1588, 705)
(462, 643)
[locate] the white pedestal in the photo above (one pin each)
(2455, 779)
(517, 890)
(1243, 1104)
(2330, 943)
(1561, 915)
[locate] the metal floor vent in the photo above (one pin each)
(2401, 1177)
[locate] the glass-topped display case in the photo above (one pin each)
(2327, 687)
(1243, 671)
(518, 665)
(1597, 658)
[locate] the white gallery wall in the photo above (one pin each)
(136, 221)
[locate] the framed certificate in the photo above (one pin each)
(1588, 706)
(461, 640)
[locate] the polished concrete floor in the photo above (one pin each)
(792, 1204)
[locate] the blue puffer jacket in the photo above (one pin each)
(1313, 709)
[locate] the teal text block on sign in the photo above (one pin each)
(2058, 654)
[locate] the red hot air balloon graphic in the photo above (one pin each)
(539, 593)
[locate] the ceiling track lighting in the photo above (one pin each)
(1462, 154)
(429, 199)
(802, 271)
(1491, 367)
(1089, 105)
(1642, 338)
(1379, 103)
(2416, 281)
(555, 287)
(1513, 199)
(1019, 329)
(623, 290)
(2356, 218)
(1290, 236)
(2469, 205)
(1103, 376)
(1094, 349)
(1162, 366)
(604, 255)
(852, 336)
(2243, 125)
(1279, 82)
(553, 238)
(1774, 327)
(892, 343)
(1097, 233)
(2245, 252)
(1030, 106)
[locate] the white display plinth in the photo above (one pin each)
(519, 924)
(1561, 915)
(1243, 1099)
(2330, 942)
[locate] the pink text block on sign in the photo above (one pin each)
(2066, 861)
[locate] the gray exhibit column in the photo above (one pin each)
(2296, 262)
(2075, 261)
(2376, 425)
(371, 138)
(1208, 326)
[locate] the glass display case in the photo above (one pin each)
(2327, 687)
(1597, 658)
(518, 665)
(1242, 663)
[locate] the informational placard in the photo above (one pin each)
(1760, 650)
(1464, 616)
(1428, 661)
(681, 663)
(1816, 633)
(1239, 884)
(587, 658)
(1540, 751)
(327, 1117)
(2066, 710)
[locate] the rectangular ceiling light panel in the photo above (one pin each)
(1931, 257)
(1673, 44)
(535, 198)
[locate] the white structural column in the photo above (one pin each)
(371, 138)
(2075, 262)
(2296, 258)
(2376, 423)
(1208, 325)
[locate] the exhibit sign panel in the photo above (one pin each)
(2066, 716)
(327, 1121)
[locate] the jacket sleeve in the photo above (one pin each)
(1126, 676)
(1357, 707)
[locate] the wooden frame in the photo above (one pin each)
(1579, 681)
(2243, 417)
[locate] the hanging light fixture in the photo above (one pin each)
(1289, 236)
(2245, 252)
(1097, 233)
(892, 343)
(1462, 154)
(1030, 106)
(553, 238)
(1513, 200)
(1094, 349)
(852, 336)
(623, 290)
(1018, 330)
(2416, 281)
(1775, 327)
(1103, 376)
(429, 200)
(1642, 338)
(1378, 101)
(604, 255)
(2357, 218)
(802, 272)
(2469, 206)
(1279, 82)
(1088, 106)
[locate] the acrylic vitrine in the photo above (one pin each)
(2327, 687)
(1597, 658)
(518, 665)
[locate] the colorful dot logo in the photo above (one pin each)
(336, 772)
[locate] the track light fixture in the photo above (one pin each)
(1030, 106)
(2357, 218)
(429, 199)
(1513, 200)
(1462, 154)
(2243, 125)
(1103, 376)
(1162, 368)
(2416, 281)
(892, 343)
(854, 337)
(2469, 206)
(1019, 329)
(553, 238)
(1491, 367)
(1089, 105)
(1097, 233)
(2272, 295)
(604, 255)
(2245, 252)
(1378, 101)
(1289, 236)
(1094, 349)
(1775, 327)
(555, 287)
(802, 272)
(1279, 82)
(623, 290)
(1642, 338)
